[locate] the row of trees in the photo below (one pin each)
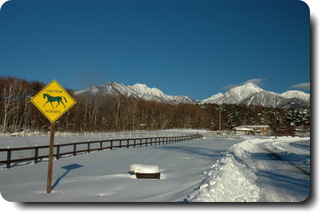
(119, 113)
(16, 110)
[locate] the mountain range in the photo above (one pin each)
(247, 94)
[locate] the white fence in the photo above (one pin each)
(137, 134)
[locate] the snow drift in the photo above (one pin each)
(232, 179)
(259, 170)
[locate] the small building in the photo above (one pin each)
(252, 130)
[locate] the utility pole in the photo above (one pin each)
(219, 120)
(276, 115)
(220, 109)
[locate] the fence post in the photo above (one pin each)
(58, 152)
(36, 154)
(88, 147)
(8, 157)
(111, 144)
(127, 143)
(100, 144)
(74, 148)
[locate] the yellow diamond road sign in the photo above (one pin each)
(53, 101)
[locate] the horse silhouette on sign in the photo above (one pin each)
(54, 99)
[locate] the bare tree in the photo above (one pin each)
(8, 96)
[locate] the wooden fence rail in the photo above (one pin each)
(89, 146)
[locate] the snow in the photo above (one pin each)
(243, 91)
(248, 94)
(143, 168)
(259, 170)
(213, 98)
(215, 169)
(251, 94)
(237, 94)
(295, 94)
(143, 89)
(232, 179)
(137, 90)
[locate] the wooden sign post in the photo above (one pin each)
(59, 103)
(50, 162)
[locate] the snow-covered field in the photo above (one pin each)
(42, 139)
(213, 169)
(32, 139)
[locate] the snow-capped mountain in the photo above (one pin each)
(154, 94)
(251, 94)
(295, 94)
(247, 94)
(110, 88)
(235, 95)
(213, 98)
(137, 91)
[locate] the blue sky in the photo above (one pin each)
(191, 47)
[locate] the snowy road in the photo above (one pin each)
(216, 169)
(260, 170)
(281, 177)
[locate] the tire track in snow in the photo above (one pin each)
(281, 180)
(275, 156)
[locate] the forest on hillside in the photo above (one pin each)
(119, 113)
